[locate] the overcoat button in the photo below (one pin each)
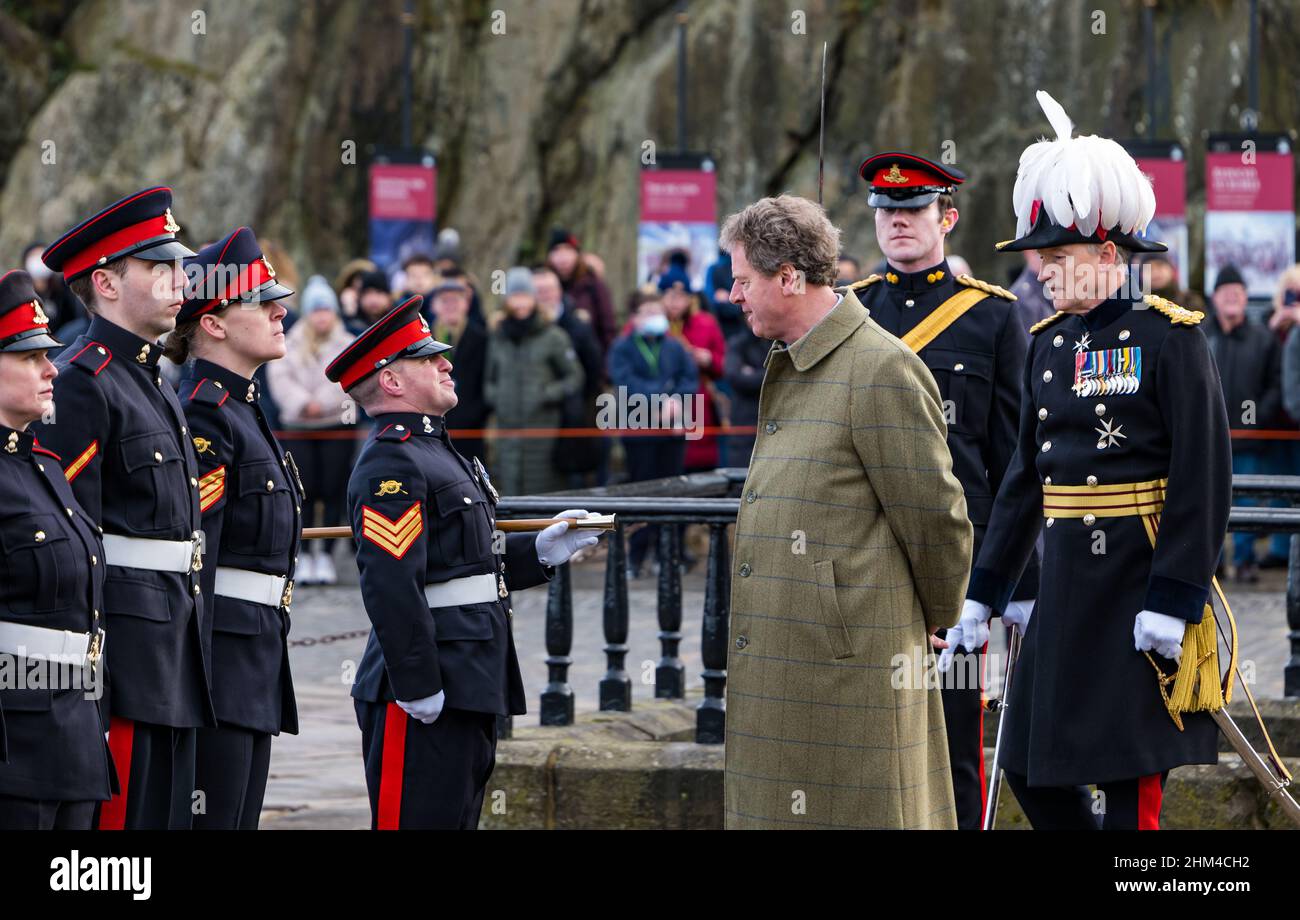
(741, 642)
(745, 570)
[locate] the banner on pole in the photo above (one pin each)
(679, 211)
(1249, 209)
(1165, 164)
(403, 206)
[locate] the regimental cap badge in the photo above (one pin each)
(170, 225)
(38, 315)
(424, 324)
(269, 270)
(391, 487)
(202, 445)
(894, 175)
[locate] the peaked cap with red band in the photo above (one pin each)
(140, 225)
(231, 269)
(904, 180)
(402, 333)
(23, 324)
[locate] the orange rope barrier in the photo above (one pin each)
(496, 433)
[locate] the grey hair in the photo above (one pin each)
(784, 230)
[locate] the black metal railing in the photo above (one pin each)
(711, 499)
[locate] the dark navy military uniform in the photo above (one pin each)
(127, 452)
(54, 763)
(977, 361)
(252, 523)
(440, 524)
(1123, 439)
(965, 330)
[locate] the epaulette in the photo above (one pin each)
(209, 393)
(394, 433)
(986, 287)
(1044, 323)
(864, 283)
(1179, 316)
(93, 358)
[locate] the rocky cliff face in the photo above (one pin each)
(246, 109)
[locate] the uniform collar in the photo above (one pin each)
(237, 385)
(124, 345)
(923, 280)
(1106, 312)
(15, 443)
(826, 336)
(415, 422)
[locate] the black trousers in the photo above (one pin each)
(426, 777)
(650, 458)
(19, 814)
(325, 465)
(1121, 805)
(230, 769)
(155, 768)
(963, 714)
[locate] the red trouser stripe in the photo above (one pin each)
(390, 769)
(1149, 796)
(121, 735)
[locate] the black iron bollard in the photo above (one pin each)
(711, 715)
(670, 675)
(557, 698)
(616, 686)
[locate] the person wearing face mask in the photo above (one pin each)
(54, 763)
(649, 367)
(127, 453)
(251, 498)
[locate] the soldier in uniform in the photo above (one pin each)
(54, 763)
(966, 332)
(1123, 453)
(440, 664)
(251, 500)
(127, 453)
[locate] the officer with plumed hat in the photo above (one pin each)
(54, 762)
(966, 332)
(127, 453)
(440, 665)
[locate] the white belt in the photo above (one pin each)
(59, 645)
(253, 587)
(155, 555)
(472, 589)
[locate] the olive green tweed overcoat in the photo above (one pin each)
(852, 545)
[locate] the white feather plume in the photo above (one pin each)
(1088, 182)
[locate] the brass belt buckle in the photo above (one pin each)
(287, 598)
(96, 649)
(196, 560)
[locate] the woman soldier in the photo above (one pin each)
(54, 762)
(251, 500)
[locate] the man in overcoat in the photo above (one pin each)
(852, 548)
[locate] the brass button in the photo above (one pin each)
(745, 570)
(69, 510)
(41, 467)
(1051, 521)
(1100, 409)
(1090, 519)
(193, 481)
(269, 485)
(1042, 414)
(217, 384)
(94, 560)
(400, 427)
(101, 351)
(196, 589)
(40, 536)
(959, 367)
(750, 496)
(1058, 342)
(909, 302)
(184, 430)
(1047, 481)
(1047, 376)
(1092, 480)
(1047, 445)
(1123, 335)
(468, 500)
(157, 455)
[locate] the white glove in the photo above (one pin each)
(555, 545)
(1160, 633)
(1018, 614)
(971, 631)
(426, 710)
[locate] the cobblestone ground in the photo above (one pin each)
(316, 776)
